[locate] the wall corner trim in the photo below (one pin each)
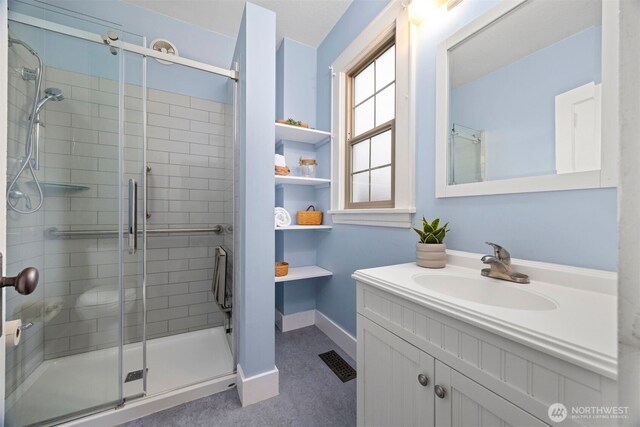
(258, 387)
(342, 338)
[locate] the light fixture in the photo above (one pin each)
(419, 10)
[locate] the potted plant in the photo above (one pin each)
(430, 251)
(293, 122)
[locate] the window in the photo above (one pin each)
(371, 130)
(373, 146)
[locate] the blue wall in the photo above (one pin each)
(255, 52)
(132, 23)
(296, 82)
(553, 227)
(516, 108)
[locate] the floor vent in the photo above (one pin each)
(338, 365)
(134, 376)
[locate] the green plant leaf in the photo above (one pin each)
(422, 234)
(440, 234)
(431, 239)
(426, 226)
(435, 223)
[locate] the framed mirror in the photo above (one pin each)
(526, 100)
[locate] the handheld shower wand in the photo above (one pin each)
(51, 94)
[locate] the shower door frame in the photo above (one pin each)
(4, 82)
(233, 74)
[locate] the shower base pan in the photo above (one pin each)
(181, 368)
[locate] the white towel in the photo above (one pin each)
(280, 161)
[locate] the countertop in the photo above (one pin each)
(581, 330)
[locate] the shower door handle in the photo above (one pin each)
(132, 230)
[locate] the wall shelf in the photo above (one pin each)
(301, 273)
(59, 186)
(300, 134)
(304, 227)
(300, 180)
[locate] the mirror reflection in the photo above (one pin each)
(524, 94)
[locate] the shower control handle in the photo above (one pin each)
(132, 230)
(24, 282)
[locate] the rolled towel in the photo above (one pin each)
(280, 161)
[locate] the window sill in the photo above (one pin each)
(398, 218)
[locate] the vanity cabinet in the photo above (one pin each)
(487, 379)
(400, 385)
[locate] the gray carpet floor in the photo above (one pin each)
(310, 393)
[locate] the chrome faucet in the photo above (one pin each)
(500, 263)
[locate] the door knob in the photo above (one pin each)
(423, 380)
(24, 283)
(440, 391)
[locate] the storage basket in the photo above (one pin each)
(309, 217)
(282, 269)
(283, 170)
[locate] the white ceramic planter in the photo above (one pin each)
(431, 255)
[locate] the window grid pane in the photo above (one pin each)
(380, 150)
(360, 156)
(380, 184)
(386, 68)
(364, 84)
(360, 187)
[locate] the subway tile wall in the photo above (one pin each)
(189, 185)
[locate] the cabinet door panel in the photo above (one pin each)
(389, 393)
(468, 404)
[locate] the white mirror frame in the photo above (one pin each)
(607, 176)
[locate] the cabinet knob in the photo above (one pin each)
(440, 391)
(423, 380)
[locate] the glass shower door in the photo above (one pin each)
(133, 187)
(72, 172)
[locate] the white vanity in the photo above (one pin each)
(449, 347)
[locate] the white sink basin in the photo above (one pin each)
(485, 291)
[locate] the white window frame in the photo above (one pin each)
(393, 18)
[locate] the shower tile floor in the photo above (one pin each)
(73, 383)
(310, 393)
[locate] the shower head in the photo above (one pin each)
(50, 94)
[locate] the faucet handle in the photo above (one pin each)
(501, 253)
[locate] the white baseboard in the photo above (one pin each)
(258, 387)
(289, 322)
(342, 338)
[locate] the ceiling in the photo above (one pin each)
(306, 21)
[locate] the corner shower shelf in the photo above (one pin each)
(59, 186)
(301, 273)
(304, 227)
(301, 180)
(300, 134)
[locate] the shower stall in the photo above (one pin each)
(120, 189)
